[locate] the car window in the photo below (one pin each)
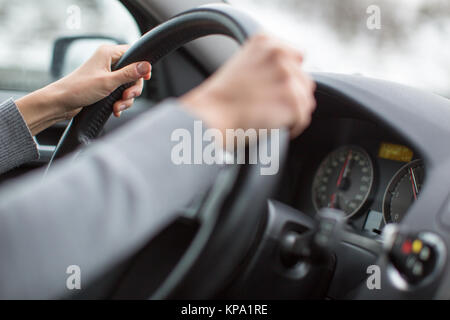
(29, 28)
(405, 41)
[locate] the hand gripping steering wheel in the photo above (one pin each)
(235, 207)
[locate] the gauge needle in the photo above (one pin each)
(333, 201)
(414, 183)
(344, 170)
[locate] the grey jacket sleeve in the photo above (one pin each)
(16, 143)
(97, 211)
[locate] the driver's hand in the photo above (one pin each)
(94, 81)
(262, 87)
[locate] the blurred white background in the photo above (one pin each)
(28, 29)
(412, 46)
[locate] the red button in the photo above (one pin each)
(406, 247)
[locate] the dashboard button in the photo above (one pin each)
(414, 256)
(424, 254)
(417, 269)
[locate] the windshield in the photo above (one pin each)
(405, 41)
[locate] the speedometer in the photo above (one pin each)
(402, 191)
(344, 180)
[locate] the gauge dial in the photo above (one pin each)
(403, 189)
(344, 180)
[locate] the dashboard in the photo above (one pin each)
(372, 149)
(356, 166)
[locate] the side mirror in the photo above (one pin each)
(72, 51)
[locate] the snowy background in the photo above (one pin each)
(412, 46)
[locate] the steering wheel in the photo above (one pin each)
(233, 211)
(217, 19)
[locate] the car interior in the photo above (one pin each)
(362, 186)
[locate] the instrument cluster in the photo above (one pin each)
(370, 174)
(345, 180)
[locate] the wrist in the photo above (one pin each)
(43, 108)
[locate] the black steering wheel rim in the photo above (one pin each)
(214, 19)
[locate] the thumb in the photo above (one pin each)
(131, 73)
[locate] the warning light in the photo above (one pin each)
(395, 152)
(406, 247)
(417, 246)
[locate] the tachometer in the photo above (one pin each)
(402, 191)
(344, 180)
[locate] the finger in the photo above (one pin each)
(283, 48)
(122, 105)
(304, 90)
(282, 117)
(148, 76)
(298, 94)
(268, 43)
(134, 91)
(304, 77)
(131, 73)
(305, 108)
(302, 87)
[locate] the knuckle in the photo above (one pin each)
(128, 92)
(308, 83)
(276, 54)
(291, 88)
(129, 73)
(290, 94)
(303, 104)
(284, 73)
